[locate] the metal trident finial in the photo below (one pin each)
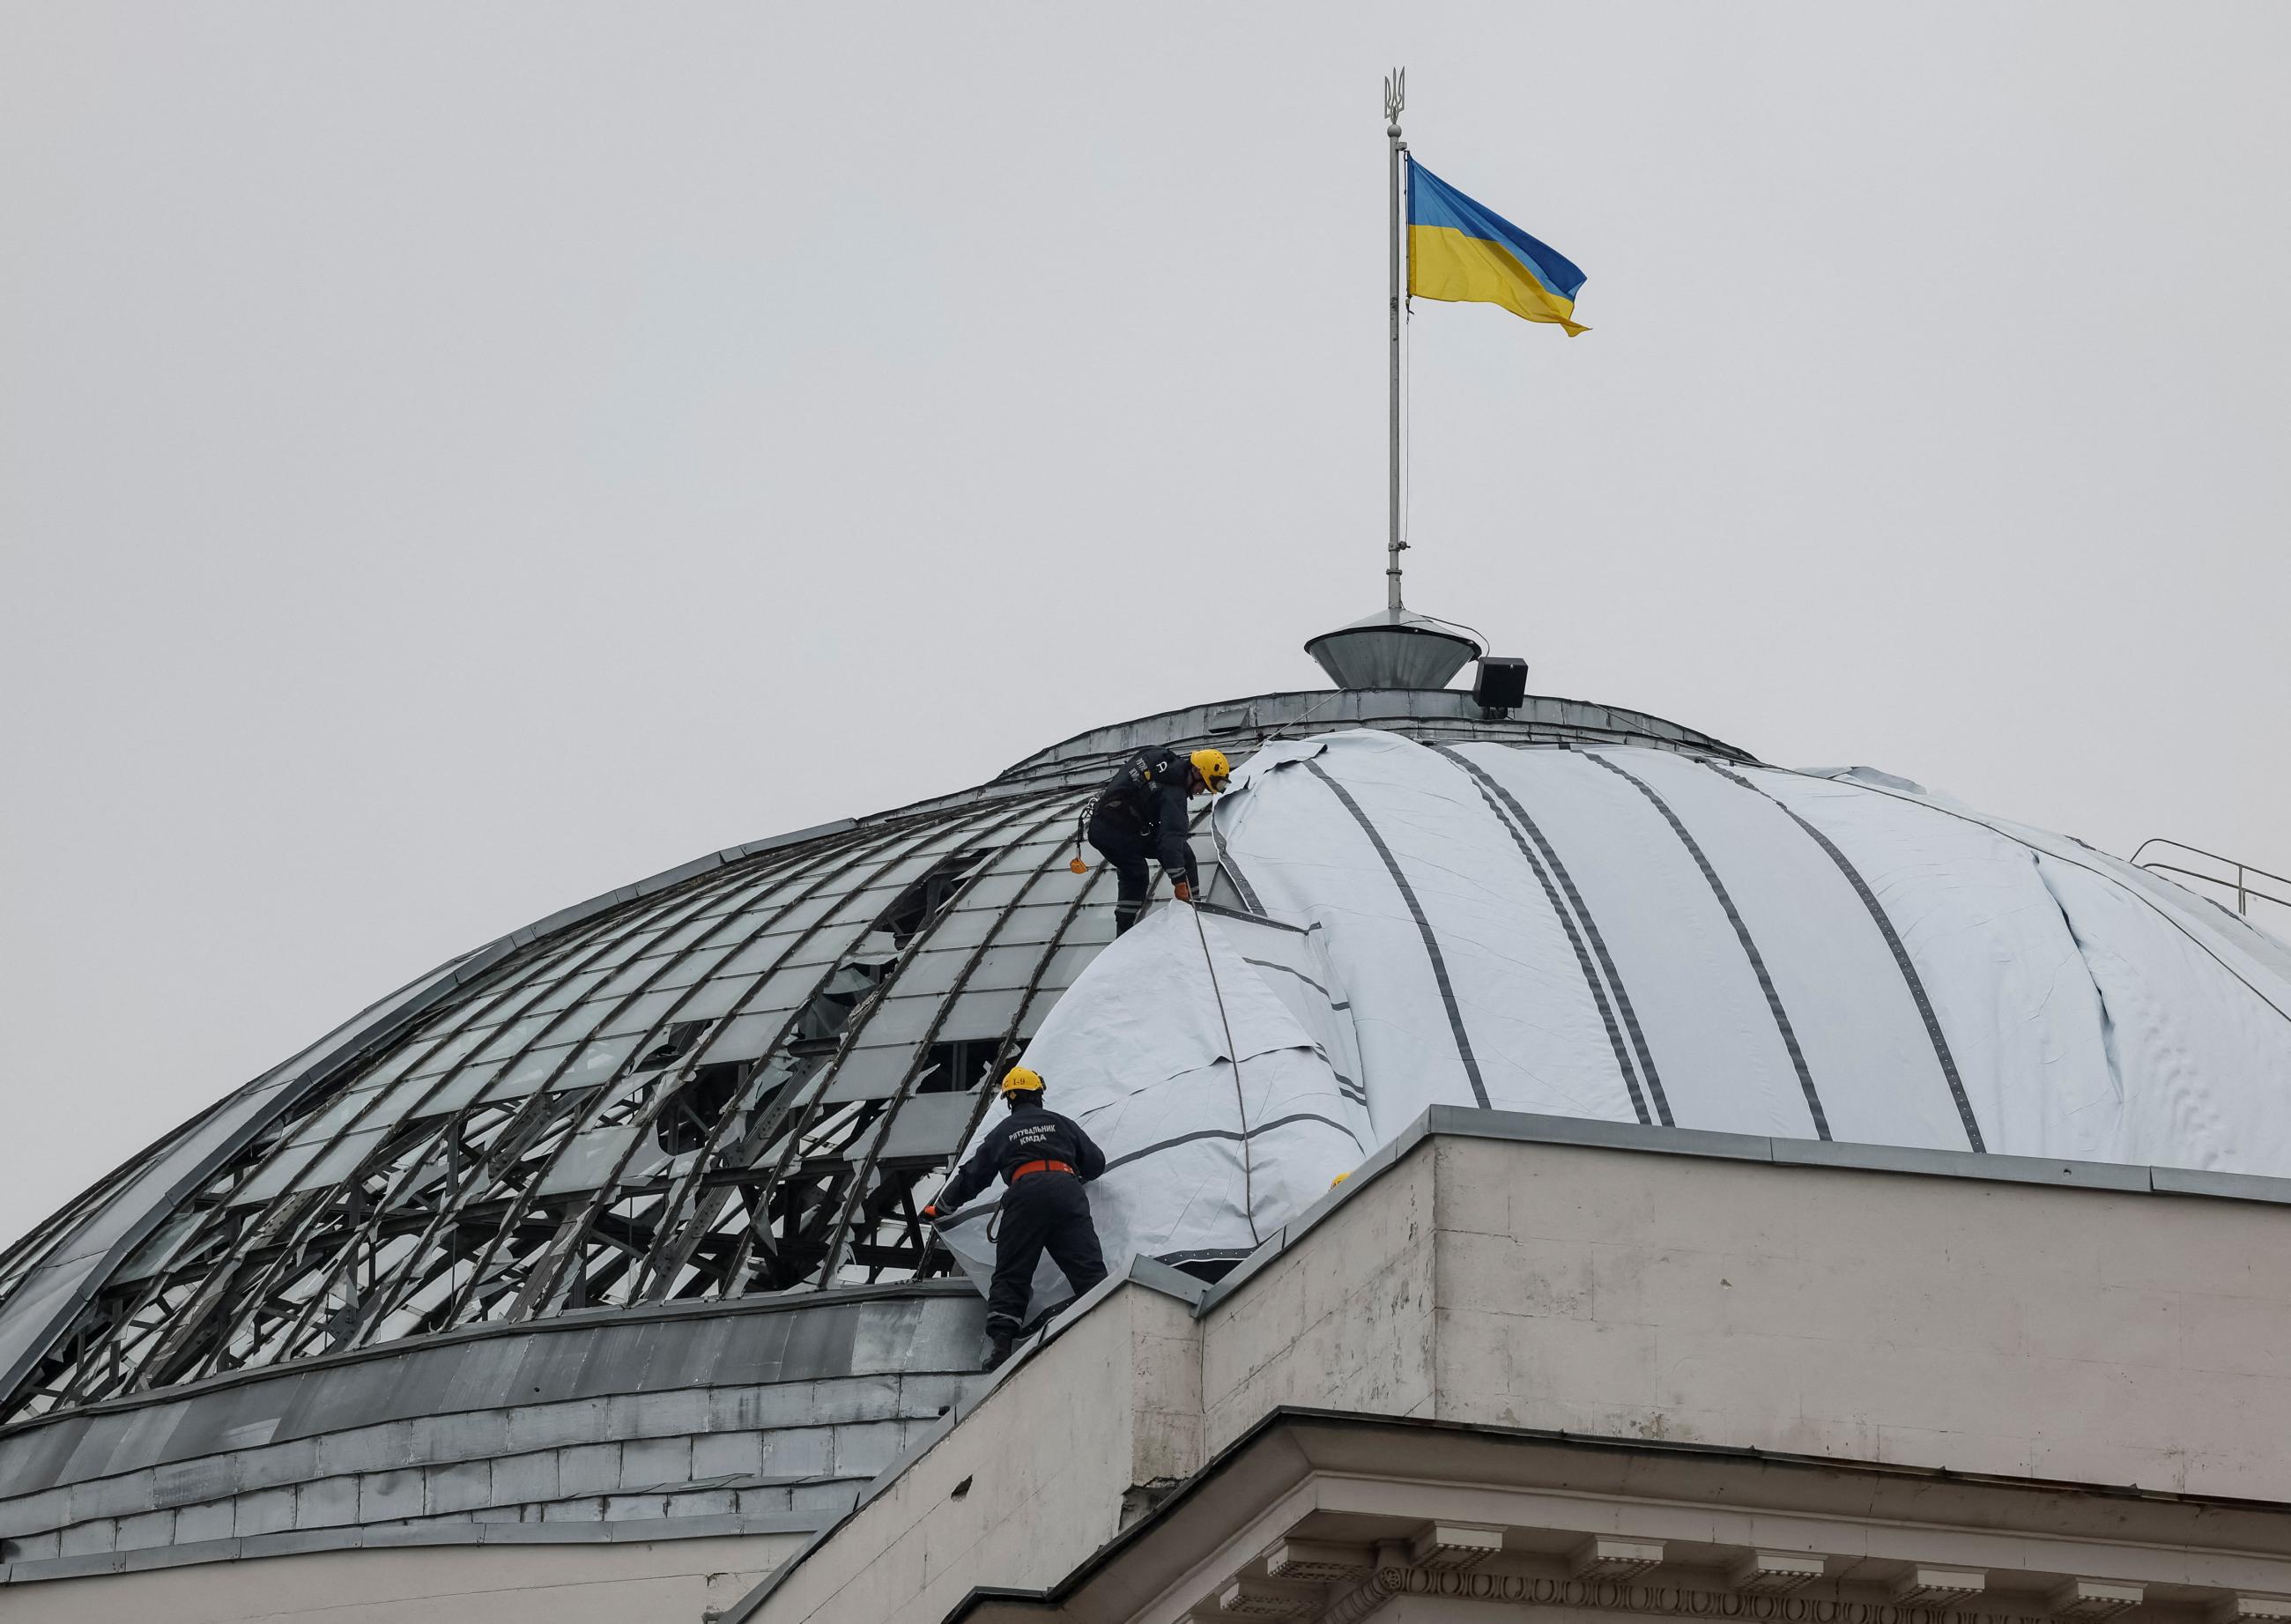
(1395, 96)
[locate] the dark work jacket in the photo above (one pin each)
(1029, 1133)
(1148, 795)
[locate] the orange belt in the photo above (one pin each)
(1024, 1167)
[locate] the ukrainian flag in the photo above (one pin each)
(1461, 252)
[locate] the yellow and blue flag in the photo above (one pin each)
(1460, 251)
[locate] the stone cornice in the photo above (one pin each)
(1656, 1600)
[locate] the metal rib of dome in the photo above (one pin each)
(744, 1076)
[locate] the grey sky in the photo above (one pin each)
(456, 460)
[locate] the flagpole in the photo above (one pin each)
(1396, 97)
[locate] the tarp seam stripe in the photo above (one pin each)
(1893, 942)
(1423, 929)
(1184, 1138)
(2005, 834)
(1582, 963)
(1741, 935)
(1574, 936)
(1574, 940)
(1599, 949)
(2110, 1053)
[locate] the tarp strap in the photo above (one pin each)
(1240, 1100)
(989, 1213)
(1893, 942)
(1232, 873)
(1270, 964)
(1423, 929)
(1489, 790)
(1741, 935)
(1226, 1133)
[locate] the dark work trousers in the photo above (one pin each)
(1122, 844)
(1042, 1209)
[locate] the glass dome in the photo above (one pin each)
(743, 1076)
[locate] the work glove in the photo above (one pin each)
(930, 1213)
(1183, 892)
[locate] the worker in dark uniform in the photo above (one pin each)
(1140, 816)
(1044, 1160)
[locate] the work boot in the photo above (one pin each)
(998, 1346)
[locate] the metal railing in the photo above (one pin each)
(2240, 884)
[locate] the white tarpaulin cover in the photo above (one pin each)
(1637, 934)
(1142, 1062)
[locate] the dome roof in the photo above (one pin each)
(1663, 938)
(742, 1076)
(745, 1076)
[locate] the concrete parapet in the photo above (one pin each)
(1889, 1311)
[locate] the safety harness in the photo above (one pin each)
(994, 1223)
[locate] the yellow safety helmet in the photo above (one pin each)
(1216, 771)
(1019, 1079)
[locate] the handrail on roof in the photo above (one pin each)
(2241, 885)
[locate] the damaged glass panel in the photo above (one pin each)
(323, 1123)
(996, 891)
(424, 1097)
(928, 895)
(273, 1176)
(640, 1015)
(683, 935)
(340, 1160)
(508, 1040)
(596, 1063)
(393, 1066)
(530, 1071)
(717, 997)
(868, 1073)
(148, 1259)
(1033, 922)
(676, 1043)
(570, 993)
(930, 973)
(964, 927)
(1067, 963)
(958, 1065)
(631, 1107)
(449, 1054)
(743, 1037)
(760, 955)
(976, 1014)
(579, 1021)
(901, 1019)
(588, 1158)
(930, 1126)
(695, 1112)
(1002, 968)
(695, 966)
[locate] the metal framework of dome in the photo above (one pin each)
(743, 1076)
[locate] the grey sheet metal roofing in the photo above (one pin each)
(745, 1075)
